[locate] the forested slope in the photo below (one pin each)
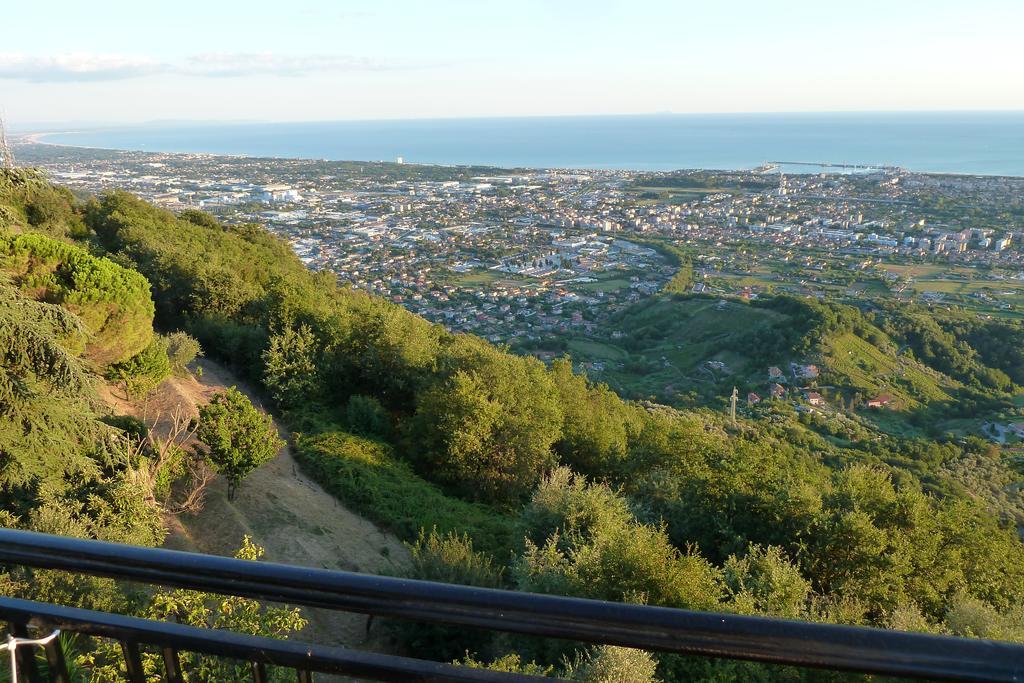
(538, 479)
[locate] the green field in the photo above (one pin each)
(609, 285)
(476, 278)
(590, 350)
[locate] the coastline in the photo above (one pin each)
(45, 138)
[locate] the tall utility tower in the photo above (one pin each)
(732, 405)
(6, 155)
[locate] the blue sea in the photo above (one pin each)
(973, 143)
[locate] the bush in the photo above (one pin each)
(447, 559)
(764, 581)
(511, 663)
(367, 417)
(611, 664)
(599, 551)
(182, 349)
(144, 371)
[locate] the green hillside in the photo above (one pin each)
(929, 371)
(499, 470)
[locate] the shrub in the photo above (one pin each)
(611, 664)
(182, 349)
(144, 371)
(113, 303)
(447, 559)
(367, 417)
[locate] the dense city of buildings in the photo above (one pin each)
(516, 255)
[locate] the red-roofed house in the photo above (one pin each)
(814, 398)
(879, 401)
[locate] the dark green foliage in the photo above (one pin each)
(365, 416)
(682, 281)
(45, 393)
(61, 470)
(950, 353)
(238, 437)
(611, 664)
(599, 552)
(291, 366)
(200, 218)
(203, 273)
(998, 344)
(26, 199)
(596, 424)
(765, 581)
(807, 323)
(511, 663)
(488, 427)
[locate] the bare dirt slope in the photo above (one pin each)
(295, 520)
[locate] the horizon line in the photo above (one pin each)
(34, 127)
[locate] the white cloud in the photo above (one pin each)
(73, 67)
(228, 64)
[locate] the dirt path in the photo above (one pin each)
(295, 520)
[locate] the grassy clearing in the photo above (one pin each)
(366, 477)
(611, 285)
(475, 278)
(590, 350)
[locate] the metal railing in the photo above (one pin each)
(657, 629)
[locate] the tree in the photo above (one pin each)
(488, 429)
(365, 416)
(238, 437)
(290, 366)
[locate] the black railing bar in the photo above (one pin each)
(653, 628)
(261, 650)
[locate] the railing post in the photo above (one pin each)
(172, 666)
(133, 662)
(26, 655)
(259, 672)
(55, 662)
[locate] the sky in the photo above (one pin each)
(119, 62)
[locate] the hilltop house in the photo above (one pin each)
(804, 371)
(879, 401)
(777, 391)
(814, 398)
(1018, 429)
(775, 374)
(753, 399)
